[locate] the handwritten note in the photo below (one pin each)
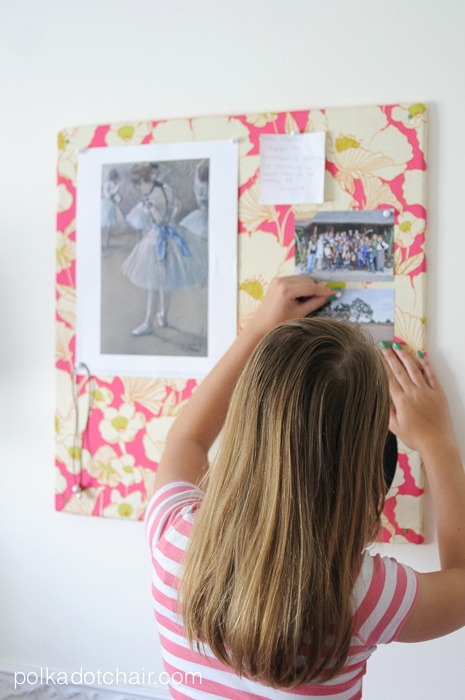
(292, 168)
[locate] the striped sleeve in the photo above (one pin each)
(387, 592)
(166, 504)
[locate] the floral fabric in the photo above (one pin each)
(375, 159)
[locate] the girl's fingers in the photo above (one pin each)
(302, 293)
(395, 386)
(396, 367)
(428, 372)
(296, 288)
(314, 303)
(303, 287)
(410, 365)
(289, 297)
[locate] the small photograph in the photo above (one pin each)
(372, 308)
(355, 246)
(154, 263)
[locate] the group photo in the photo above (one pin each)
(347, 246)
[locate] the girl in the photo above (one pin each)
(263, 587)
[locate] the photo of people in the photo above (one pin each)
(372, 308)
(154, 261)
(347, 246)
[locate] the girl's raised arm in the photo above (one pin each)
(420, 417)
(185, 457)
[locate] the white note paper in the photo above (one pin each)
(292, 168)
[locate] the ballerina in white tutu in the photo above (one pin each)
(167, 257)
(197, 220)
(112, 216)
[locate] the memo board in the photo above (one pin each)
(110, 430)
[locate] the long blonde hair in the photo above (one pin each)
(294, 496)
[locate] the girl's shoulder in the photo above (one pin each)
(384, 594)
(177, 500)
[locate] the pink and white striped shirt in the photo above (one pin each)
(384, 594)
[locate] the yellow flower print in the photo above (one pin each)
(394, 142)
(60, 482)
(411, 329)
(66, 304)
(409, 317)
(251, 293)
(359, 164)
(111, 470)
(155, 437)
(377, 193)
(290, 124)
(65, 248)
(408, 512)
(150, 393)
(65, 198)
(397, 482)
(251, 213)
(409, 263)
(386, 525)
(410, 294)
(102, 396)
(354, 126)
(262, 256)
(414, 187)
(149, 476)
(317, 121)
(101, 466)
(85, 504)
(66, 444)
(413, 116)
(178, 385)
(211, 129)
(415, 464)
(254, 287)
(336, 199)
(173, 405)
(129, 507)
(68, 451)
(358, 145)
(69, 142)
(128, 474)
(132, 133)
(174, 402)
(63, 336)
(261, 120)
(408, 228)
(343, 143)
(121, 424)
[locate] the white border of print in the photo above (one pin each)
(222, 270)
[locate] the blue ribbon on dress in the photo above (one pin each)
(166, 231)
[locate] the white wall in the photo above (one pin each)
(74, 591)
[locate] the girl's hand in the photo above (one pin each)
(290, 297)
(419, 412)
